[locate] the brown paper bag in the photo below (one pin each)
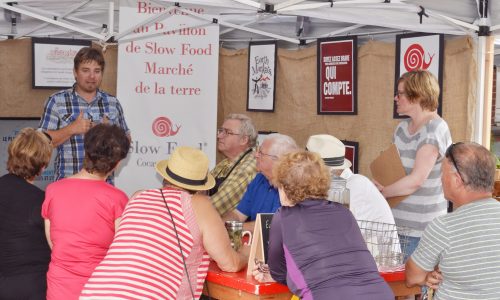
(387, 169)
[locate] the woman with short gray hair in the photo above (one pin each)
(315, 245)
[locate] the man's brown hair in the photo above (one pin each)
(87, 54)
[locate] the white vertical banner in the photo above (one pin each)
(167, 85)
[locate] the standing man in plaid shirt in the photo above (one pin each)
(70, 113)
(235, 140)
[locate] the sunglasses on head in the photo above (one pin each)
(449, 153)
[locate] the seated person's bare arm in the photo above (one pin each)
(415, 275)
(236, 215)
(215, 237)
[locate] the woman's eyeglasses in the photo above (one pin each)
(449, 153)
(399, 94)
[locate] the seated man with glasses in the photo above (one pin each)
(459, 253)
(235, 140)
(261, 196)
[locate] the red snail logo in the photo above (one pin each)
(415, 58)
(162, 126)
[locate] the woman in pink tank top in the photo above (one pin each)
(81, 211)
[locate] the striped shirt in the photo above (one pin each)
(234, 186)
(144, 260)
(62, 109)
(428, 202)
(466, 246)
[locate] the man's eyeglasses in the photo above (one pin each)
(449, 153)
(262, 154)
(225, 131)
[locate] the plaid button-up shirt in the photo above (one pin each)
(232, 189)
(62, 109)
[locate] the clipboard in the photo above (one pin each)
(387, 169)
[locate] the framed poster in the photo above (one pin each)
(52, 61)
(352, 153)
(337, 76)
(261, 89)
(419, 51)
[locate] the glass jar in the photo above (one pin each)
(338, 191)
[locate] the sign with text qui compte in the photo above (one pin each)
(337, 76)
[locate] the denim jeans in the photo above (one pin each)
(410, 245)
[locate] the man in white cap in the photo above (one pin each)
(366, 202)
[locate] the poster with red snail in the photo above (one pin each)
(337, 59)
(419, 51)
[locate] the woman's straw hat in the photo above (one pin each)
(187, 168)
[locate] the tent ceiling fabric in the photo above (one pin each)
(293, 19)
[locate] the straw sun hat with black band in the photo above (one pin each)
(187, 168)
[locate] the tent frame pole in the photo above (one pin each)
(61, 16)
(52, 21)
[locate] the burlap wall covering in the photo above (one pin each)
(295, 109)
(17, 98)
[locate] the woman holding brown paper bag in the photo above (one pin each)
(422, 140)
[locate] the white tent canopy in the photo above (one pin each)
(289, 20)
(293, 22)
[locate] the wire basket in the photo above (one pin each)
(387, 243)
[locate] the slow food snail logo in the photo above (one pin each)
(162, 127)
(415, 58)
